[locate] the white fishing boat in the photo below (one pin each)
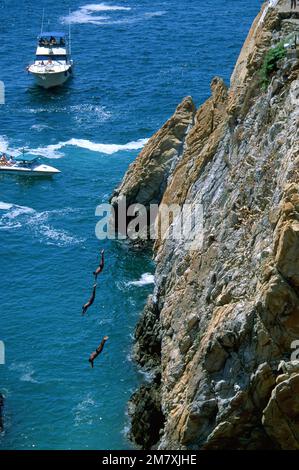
(53, 65)
(26, 165)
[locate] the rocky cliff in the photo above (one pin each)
(217, 333)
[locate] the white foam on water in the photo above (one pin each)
(3, 144)
(83, 412)
(17, 217)
(104, 7)
(8, 219)
(82, 108)
(108, 149)
(39, 127)
(4, 147)
(83, 17)
(18, 210)
(4, 206)
(25, 370)
(38, 223)
(87, 112)
(145, 280)
(86, 14)
(148, 375)
(57, 237)
(52, 151)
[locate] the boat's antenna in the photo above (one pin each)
(43, 17)
(70, 40)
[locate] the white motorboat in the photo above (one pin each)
(53, 65)
(26, 165)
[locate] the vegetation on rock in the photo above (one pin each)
(272, 57)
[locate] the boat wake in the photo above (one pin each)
(3, 144)
(87, 14)
(5, 206)
(53, 150)
(104, 7)
(37, 223)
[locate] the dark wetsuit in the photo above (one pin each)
(293, 3)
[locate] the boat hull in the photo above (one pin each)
(51, 79)
(46, 171)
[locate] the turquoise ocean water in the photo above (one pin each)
(135, 61)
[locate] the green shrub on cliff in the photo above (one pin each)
(270, 63)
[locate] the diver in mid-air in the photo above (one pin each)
(98, 351)
(91, 300)
(101, 265)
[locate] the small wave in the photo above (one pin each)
(18, 210)
(25, 370)
(108, 149)
(155, 14)
(145, 280)
(39, 127)
(4, 206)
(52, 151)
(17, 217)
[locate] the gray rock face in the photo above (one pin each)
(223, 318)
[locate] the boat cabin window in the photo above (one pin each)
(50, 57)
(51, 41)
